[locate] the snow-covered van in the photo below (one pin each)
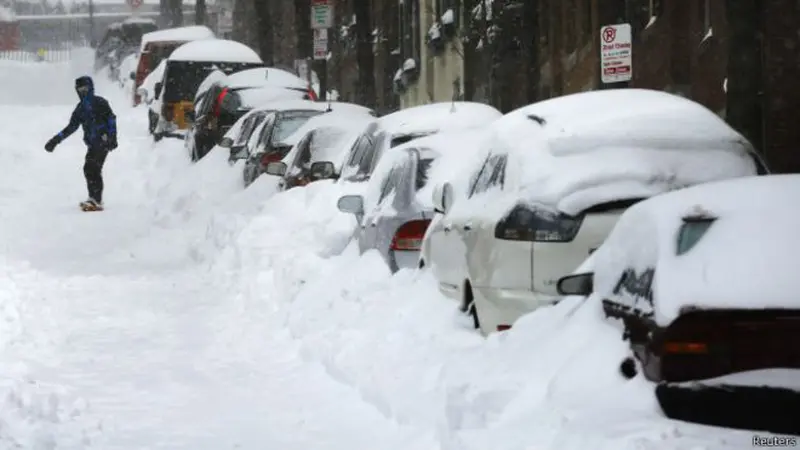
(158, 45)
(186, 68)
(703, 284)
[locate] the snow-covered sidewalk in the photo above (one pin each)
(193, 314)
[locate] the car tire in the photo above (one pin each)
(469, 306)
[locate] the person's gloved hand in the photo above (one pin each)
(109, 141)
(51, 144)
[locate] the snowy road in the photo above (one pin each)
(194, 315)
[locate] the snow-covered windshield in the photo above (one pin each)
(289, 122)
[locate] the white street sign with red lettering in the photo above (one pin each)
(616, 53)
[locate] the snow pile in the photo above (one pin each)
(407, 352)
(713, 273)
(55, 83)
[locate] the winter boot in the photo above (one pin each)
(91, 205)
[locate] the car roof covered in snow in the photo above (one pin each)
(746, 259)
(290, 105)
(435, 117)
(256, 97)
(265, 76)
(587, 121)
(569, 157)
(215, 50)
(180, 34)
(354, 120)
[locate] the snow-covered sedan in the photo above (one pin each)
(318, 148)
(703, 283)
(396, 209)
(224, 100)
(265, 143)
(408, 124)
(555, 177)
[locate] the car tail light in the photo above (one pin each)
(534, 223)
(688, 348)
(269, 157)
(707, 344)
(218, 104)
(409, 235)
(503, 327)
(312, 95)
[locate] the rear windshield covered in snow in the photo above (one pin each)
(184, 77)
(423, 169)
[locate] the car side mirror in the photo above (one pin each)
(226, 142)
(133, 76)
(189, 115)
(351, 204)
(321, 170)
(442, 198)
(158, 87)
(577, 284)
(277, 168)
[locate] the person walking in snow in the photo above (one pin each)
(99, 123)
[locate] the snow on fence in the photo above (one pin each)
(43, 55)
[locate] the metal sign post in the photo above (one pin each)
(322, 19)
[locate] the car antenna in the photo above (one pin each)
(330, 103)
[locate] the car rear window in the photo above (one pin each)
(423, 169)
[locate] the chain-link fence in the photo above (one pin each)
(44, 54)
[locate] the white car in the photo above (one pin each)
(555, 177)
(406, 125)
(703, 284)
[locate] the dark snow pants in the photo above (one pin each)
(93, 170)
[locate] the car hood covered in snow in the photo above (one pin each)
(745, 260)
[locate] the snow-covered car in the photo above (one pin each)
(553, 181)
(186, 68)
(703, 284)
(402, 126)
(265, 143)
(220, 103)
(156, 46)
(396, 209)
(148, 92)
(120, 40)
(318, 148)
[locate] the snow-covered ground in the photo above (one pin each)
(193, 314)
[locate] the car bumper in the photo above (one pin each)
(498, 309)
(774, 410)
(403, 260)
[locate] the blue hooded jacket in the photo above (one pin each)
(94, 115)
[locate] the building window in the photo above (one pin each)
(442, 8)
(656, 8)
(704, 14)
(587, 20)
(410, 29)
(570, 22)
(544, 22)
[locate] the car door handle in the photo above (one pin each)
(373, 225)
(447, 228)
(467, 226)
